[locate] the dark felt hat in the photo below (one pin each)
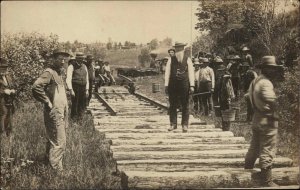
(179, 44)
(80, 55)
(59, 51)
(89, 57)
(171, 49)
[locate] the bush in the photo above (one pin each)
(25, 53)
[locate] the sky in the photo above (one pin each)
(134, 21)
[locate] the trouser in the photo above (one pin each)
(236, 85)
(250, 110)
(5, 118)
(263, 145)
(55, 123)
(206, 100)
(79, 101)
(90, 91)
(179, 92)
(197, 103)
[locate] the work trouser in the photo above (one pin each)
(5, 118)
(55, 122)
(179, 92)
(204, 87)
(197, 103)
(236, 85)
(78, 101)
(263, 144)
(90, 91)
(250, 110)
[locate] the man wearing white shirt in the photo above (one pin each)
(78, 83)
(179, 82)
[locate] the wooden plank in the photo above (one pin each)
(162, 127)
(205, 179)
(162, 130)
(189, 155)
(223, 140)
(177, 147)
(176, 165)
(109, 107)
(177, 136)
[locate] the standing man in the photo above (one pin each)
(50, 90)
(196, 98)
(179, 83)
(91, 73)
(78, 83)
(265, 120)
(234, 68)
(6, 99)
(206, 85)
(246, 56)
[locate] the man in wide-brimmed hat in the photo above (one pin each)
(234, 68)
(197, 100)
(246, 56)
(91, 72)
(49, 89)
(206, 85)
(265, 119)
(78, 84)
(179, 83)
(6, 99)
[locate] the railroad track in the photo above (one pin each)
(153, 158)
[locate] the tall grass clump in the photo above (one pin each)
(88, 161)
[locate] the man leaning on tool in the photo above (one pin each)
(49, 89)
(78, 83)
(265, 119)
(179, 82)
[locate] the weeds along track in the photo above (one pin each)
(153, 158)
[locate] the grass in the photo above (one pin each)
(88, 161)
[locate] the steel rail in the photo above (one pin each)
(109, 107)
(157, 103)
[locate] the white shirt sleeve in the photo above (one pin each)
(69, 76)
(191, 72)
(168, 72)
(87, 78)
(212, 75)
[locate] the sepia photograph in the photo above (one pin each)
(141, 94)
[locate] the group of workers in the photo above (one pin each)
(213, 82)
(209, 79)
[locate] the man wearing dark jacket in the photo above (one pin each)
(6, 99)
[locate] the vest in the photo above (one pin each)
(79, 74)
(179, 71)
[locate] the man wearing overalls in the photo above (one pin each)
(50, 90)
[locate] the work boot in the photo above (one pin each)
(266, 178)
(172, 128)
(184, 128)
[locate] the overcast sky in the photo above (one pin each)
(135, 21)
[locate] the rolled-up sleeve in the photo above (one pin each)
(168, 72)
(191, 72)
(87, 78)
(38, 89)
